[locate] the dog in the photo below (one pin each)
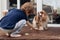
(40, 21)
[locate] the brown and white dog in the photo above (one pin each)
(40, 21)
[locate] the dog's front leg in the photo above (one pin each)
(41, 26)
(45, 26)
(34, 24)
(46, 22)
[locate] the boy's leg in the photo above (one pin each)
(5, 31)
(18, 28)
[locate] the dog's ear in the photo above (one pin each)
(41, 12)
(36, 18)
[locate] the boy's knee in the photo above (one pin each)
(22, 21)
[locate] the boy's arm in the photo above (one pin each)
(29, 24)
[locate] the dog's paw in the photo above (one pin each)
(45, 28)
(35, 28)
(41, 28)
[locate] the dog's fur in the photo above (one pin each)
(40, 21)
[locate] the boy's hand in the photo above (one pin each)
(29, 24)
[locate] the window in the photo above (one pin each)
(52, 7)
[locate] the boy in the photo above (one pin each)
(15, 20)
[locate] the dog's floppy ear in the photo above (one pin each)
(42, 12)
(36, 18)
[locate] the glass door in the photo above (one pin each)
(52, 7)
(12, 4)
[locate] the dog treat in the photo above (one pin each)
(26, 33)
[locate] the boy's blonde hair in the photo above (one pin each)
(28, 6)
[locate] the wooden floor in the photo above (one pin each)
(53, 33)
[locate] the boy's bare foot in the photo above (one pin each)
(15, 35)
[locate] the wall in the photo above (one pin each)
(0, 8)
(4, 5)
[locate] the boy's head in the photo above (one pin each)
(28, 8)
